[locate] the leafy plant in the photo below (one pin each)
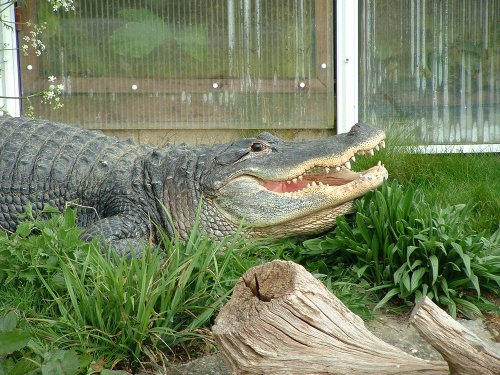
(20, 355)
(122, 311)
(407, 248)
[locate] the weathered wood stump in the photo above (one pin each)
(281, 320)
(465, 353)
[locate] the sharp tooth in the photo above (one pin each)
(353, 158)
(301, 177)
(313, 183)
(320, 183)
(327, 185)
(288, 182)
(377, 148)
(347, 165)
(337, 169)
(327, 170)
(382, 144)
(294, 180)
(308, 185)
(361, 175)
(379, 163)
(372, 152)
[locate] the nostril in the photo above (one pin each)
(354, 130)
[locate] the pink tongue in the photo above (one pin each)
(283, 187)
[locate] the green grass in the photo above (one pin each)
(444, 179)
(472, 179)
(123, 312)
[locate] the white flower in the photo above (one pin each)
(66, 5)
(60, 87)
(52, 78)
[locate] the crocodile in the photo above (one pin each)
(124, 192)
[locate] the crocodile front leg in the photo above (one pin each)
(125, 233)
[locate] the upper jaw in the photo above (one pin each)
(330, 171)
(333, 154)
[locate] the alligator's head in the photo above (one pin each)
(281, 188)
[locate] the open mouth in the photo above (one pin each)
(324, 177)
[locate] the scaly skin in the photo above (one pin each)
(122, 191)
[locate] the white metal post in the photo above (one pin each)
(347, 64)
(9, 65)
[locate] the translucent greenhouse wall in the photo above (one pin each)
(188, 64)
(433, 68)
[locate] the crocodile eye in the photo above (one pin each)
(257, 146)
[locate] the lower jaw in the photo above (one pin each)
(318, 222)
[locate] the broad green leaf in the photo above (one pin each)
(376, 247)
(416, 277)
(466, 260)
(409, 252)
(415, 264)
(13, 340)
(405, 280)
(344, 227)
(452, 306)
(454, 266)
(399, 273)
(22, 366)
(407, 202)
(8, 322)
(391, 293)
(434, 267)
(360, 271)
(475, 281)
(468, 305)
(444, 287)
(24, 228)
(61, 362)
(69, 218)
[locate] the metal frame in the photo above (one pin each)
(457, 149)
(9, 60)
(347, 64)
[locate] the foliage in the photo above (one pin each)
(444, 179)
(31, 43)
(20, 355)
(123, 311)
(400, 244)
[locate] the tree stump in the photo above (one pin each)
(465, 353)
(281, 320)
